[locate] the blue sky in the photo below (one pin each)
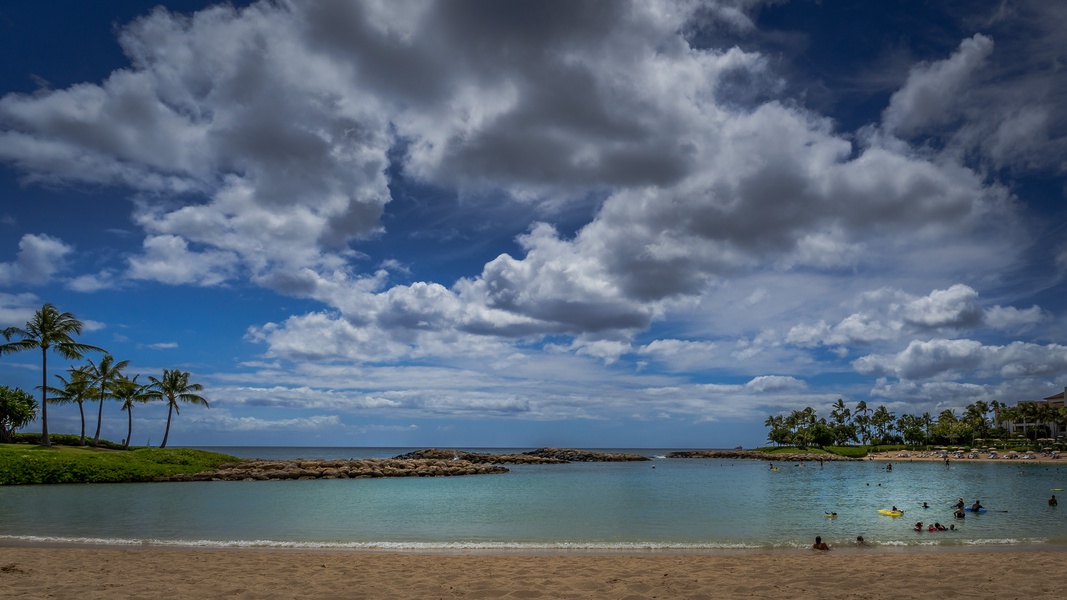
(538, 223)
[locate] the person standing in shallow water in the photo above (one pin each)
(1052, 501)
(819, 544)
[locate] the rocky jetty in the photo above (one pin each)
(266, 470)
(754, 454)
(541, 456)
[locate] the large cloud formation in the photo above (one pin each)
(261, 140)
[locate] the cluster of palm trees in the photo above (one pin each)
(99, 381)
(980, 420)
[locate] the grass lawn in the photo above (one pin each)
(30, 463)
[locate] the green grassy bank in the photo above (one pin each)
(28, 463)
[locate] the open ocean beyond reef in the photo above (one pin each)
(662, 504)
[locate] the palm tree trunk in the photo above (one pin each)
(129, 428)
(99, 416)
(44, 397)
(81, 411)
(170, 409)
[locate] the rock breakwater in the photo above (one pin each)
(267, 470)
(541, 456)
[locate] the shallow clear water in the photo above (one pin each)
(665, 503)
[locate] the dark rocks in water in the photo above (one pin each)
(265, 470)
(570, 455)
(541, 456)
(754, 454)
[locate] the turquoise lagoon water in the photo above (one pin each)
(661, 504)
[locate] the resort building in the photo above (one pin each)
(1055, 426)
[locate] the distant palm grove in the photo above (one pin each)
(97, 380)
(863, 425)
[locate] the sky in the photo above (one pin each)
(552, 223)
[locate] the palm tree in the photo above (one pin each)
(78, 389)
(842, 418)
(840, 413)
(173, 387)
(862, 421)
(882, 420)
(128, 391)
(103, 374)
(48, 329)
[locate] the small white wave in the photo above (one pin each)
(380, 545)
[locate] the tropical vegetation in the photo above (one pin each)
(980, 421)
(49, 329)
(17, 409)
(175, 387)
(97, 380)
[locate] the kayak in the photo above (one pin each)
(891, 513)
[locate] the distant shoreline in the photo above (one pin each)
(933, 456)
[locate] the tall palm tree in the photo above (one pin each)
(49, 329)
(862, 420)
(78, 388)
(128, 391)
(173, 387)
(840, 413)
(882, 420)
(103, 374)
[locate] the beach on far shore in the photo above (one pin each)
(968, 456)
(164, 572)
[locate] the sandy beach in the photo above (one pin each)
(159, 572)
(968, 456)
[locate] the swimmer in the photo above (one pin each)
(977, 506)
(860, 541)
(925, 505)
(1052, 501)
(959, 514)
(919, 526)
(819, 544)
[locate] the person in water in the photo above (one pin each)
(939, 527)
(925, 505)
(819, 544)
(959, 504)
(977, 506)
(1052, 501)
(860, 541)
(959, 514)
(919, 526)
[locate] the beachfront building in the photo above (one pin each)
(1046, 414)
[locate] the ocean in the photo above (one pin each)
(663, 504)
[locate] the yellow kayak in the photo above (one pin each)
(891, 513)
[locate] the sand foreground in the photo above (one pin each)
(88, 573)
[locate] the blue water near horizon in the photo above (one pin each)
(677, 504)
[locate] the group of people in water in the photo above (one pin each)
(934, 527)
(959, 511)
